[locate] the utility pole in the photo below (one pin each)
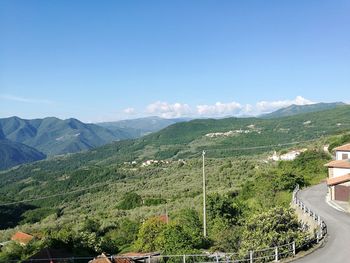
(166, 212)
(204, 205)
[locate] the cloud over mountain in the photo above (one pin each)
(220, 109)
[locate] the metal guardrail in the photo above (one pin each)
(322, 226)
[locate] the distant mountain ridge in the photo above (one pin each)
(177, 137)
(299, 109)
(25, 140)
(141, 126)
(54, 136)
(13, 153)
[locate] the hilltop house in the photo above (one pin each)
(339, 174)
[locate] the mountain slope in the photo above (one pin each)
(13, 153)
(141, 126)
(53, 136)
(188, 139)
(94, 181)
(299, 109)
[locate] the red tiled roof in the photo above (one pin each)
(338, 180)
(339, 164)
(164, 218)
(345, 147)
(124, 258)
(22, 238)
(101, 259)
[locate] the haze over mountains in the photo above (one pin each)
(24, 141)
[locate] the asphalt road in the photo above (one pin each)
(337, 247)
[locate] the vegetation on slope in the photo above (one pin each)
(53, 136)
(246, 190)
(95, 185)
(12, 154)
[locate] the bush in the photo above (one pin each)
(148, 233)
(275, 227)
(130, 201)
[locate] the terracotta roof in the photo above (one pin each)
(22, 238)
(101, 259)
(338, 179)
(339, 164)
(345, 147)
(124, 258)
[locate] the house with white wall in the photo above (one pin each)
(339, 174)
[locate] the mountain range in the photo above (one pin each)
(141, 126)
(30, 140)
(298, 109)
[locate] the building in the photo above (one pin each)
(128, 258)
(339, 174)
(22, 238)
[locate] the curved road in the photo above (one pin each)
(337, 246)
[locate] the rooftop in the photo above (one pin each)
(338, 180)
(339, 164)
(345, 147)
(22, 238)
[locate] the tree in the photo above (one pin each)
(224, 237)
(225, 207)
(191, 225)
(124, 234)
(148, 233)
(275, 227)
(288, 181)
(130, 201)
(174, 240)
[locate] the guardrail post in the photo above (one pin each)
(251, 256)
(217, 258)
(293, 248)
(276, 254)
(149, 259)
(184, 259)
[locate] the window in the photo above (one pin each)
(344, 156)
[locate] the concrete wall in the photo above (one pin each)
(306, 219)
(339, 171)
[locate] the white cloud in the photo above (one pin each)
(268, 106)
(22, 99)
(129, 111)
(219, 109)
(167, 110)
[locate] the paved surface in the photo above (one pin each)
(337, 247)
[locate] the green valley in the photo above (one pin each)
(111, 190)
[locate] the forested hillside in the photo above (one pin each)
(107, 192)
(299, 109)
(53, 136)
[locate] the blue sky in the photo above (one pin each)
(110, 60)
